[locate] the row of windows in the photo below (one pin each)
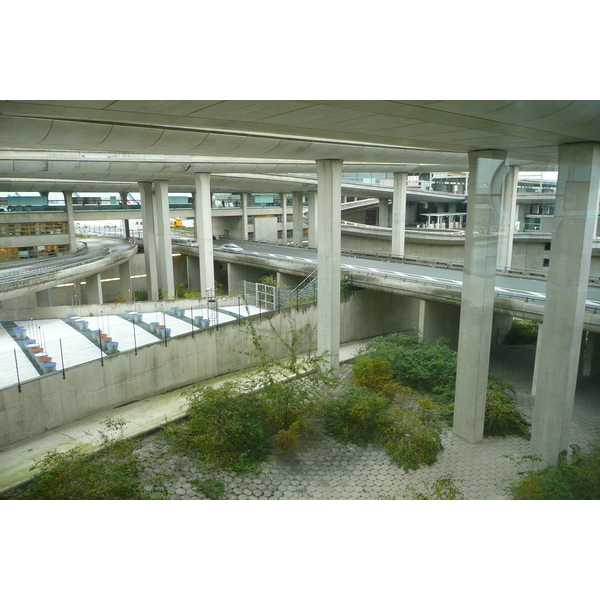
(32, 252)
(32, 228)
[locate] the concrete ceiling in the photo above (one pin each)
(134, 140)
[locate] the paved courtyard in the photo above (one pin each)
(328, 470)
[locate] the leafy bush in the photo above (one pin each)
(287, 441)
(418, 363)
(224, 428)
(522, 331)
(503, 418)
(111, 473)
(360, 416)
(575, 479)
(409, 441)
(430, 368)
(356, 416)
(374, 374)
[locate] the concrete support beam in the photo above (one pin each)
(508, 212)
(298, 219)
(312, 218)
(204, 234)
(93, 289)
(125, 280)
(166, 280)
(383, 212)
(245, 216)
(487, 169)
(284, 218)
(329, 175)
(70, 220)
(437, 319)
(399, 214)
(575, 214)
(150, 243)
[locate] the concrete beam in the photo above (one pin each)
(399, 214)
(487, 169)
(204, 234)
(575, 216)
(150, 242)
(329, 174)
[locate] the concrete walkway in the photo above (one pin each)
(326, 469)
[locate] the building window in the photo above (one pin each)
(280, 235)
(546, 262)
(547, 246)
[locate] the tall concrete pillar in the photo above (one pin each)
(329, 241)
(166, 280)
(312, 219)
(203, 233)
(125, 280)
(298, 219)
(70, 220)
(245, 215)
(93, 289)
(399, 214)
(383, 212)
(508, 211)
(575, 213)
(284, 217)
(487, 169)
(149, 236)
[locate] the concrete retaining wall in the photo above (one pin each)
(51, 401)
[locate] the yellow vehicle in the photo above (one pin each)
(176, 222)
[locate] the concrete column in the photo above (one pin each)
(487, 169)
(125, 280)
(383, 212)
(298, 220)
(203, 233)
(166, 280)
(591, 360)
(575, 213)
(437, 319)
(329, 175)
(284, 217)
(93, 289)
(508, 211)
(149, 236)
(399, 214)
(70, 220)
(312, 218)
(193, 273)
(245, 215)
(536, 364)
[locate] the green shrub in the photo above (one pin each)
(575, 479)
(356, 416)
(225, 428)
(111, 473)
(409, 441)
(503, 418)
(374, 374)
(522, 331)
(287, 441)
(430, 368)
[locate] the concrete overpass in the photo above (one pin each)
(490, 139)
